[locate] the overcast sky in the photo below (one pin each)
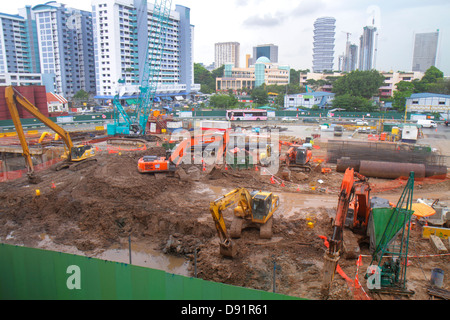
(289, 25)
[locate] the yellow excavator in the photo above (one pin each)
(73, 155)
(254, 209)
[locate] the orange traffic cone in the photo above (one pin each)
(298, 188)
(53, 185)
(256, 168)
(272, 180)
(226, 167)
(282, 183)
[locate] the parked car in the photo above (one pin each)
(289, 119)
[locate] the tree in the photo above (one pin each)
(260, 96)
(364, 84)
(223, 101)
(432, 75)
(353, 103)
(204, 78)
(81, 95)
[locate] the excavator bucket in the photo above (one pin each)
(329, 269)
(228, 249)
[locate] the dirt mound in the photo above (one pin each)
(99, 204)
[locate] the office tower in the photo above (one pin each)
(15, 53)
(425, 51)
(123, 43)
(66, 47)
(367, 49)
(266, 50)
(350, 59)
(323, 51)
(227, 52)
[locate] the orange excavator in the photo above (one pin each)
(354, 199)
(298, 157)
(215, 146)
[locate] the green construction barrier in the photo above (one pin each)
(36, 274)
(382, 223)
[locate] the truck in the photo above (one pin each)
(427, 123)
(338, 131)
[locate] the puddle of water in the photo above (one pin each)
(148, 259)
(140, 256)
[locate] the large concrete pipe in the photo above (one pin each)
(435, 171)
(344, 163)
(391, 170)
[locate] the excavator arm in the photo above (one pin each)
(238, 196)
(346, 197)
(13, 97)
(72, 154)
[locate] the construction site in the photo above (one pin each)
(170, 203)
(323, 210)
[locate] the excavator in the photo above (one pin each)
(169, 163)
(298, 157)
(354, 200)
(254, 208)
(73, 155)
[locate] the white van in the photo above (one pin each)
(427, 123)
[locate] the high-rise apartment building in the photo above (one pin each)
(425, 51)
(227, 52)
(323, 51)
(123, 42)
(15, 53)
(367, 53)
(65, 46)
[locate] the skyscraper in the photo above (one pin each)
(350, 58)
(367, 49)
(323, 51)
(227, 52)
(425, 51)
(265, 50)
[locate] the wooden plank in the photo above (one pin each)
(443, 233)
(438, 245)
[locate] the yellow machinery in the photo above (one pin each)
(73, 155)
(254, 208)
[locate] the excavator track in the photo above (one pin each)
(265, 230)
(73, 166)
(82, 164)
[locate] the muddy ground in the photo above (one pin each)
(100, 206)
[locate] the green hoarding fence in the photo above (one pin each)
(36, 274)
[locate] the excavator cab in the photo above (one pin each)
(301, 156)
(261, 205)
(82, 152)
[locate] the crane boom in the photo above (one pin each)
(137, 122)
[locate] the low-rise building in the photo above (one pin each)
(263, 72)
(428, 102)
(308, 100)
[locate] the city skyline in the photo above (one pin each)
(289, 24)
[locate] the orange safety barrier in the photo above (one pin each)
(354, 285)
(401, 182)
